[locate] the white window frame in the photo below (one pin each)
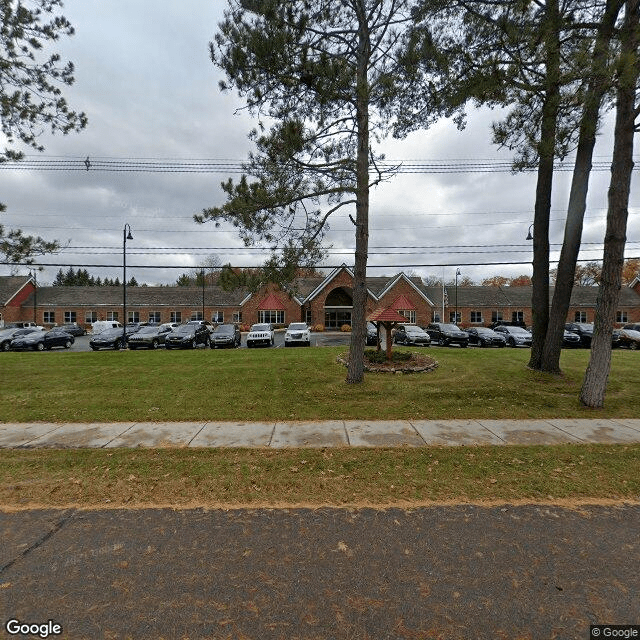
(196, 315)
(70, 316)
(580, 316)
(155, 317)
(176, 316)
(134, 316)
(271, 316)
(49, 317)
(237, 317)
(476, 317)
(622, 316)
(90, 317)
(409, 314)
(217, 317)
(112, 316)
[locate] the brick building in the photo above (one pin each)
(322, 300)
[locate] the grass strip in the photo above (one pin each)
(281, 477)
(298, 384)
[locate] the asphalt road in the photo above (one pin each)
(460, 572)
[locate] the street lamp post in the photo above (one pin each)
(126, 235)
(456, 316)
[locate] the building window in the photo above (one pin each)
(307, 315)
(196, 315)
(271, 316)
(496, 316)
(70, 316)
(90, 317)
(237, 317)
(112, 316)
(49, 317)
(409, 314)
(154, 317)
(476, 317)
(621, 316)
(217, 317)
(517, 316)
(436, 317)
(134, 316)
(581, 316)
(176, 316)
(454, 317)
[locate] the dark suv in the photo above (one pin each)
(584, 330)
(226, 335)
(445, 334)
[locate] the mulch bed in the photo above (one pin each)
(418, 363)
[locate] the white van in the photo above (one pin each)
(101, 325)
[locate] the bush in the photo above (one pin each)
(345, 328)
(319, 328)
(380, 357)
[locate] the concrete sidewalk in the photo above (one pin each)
(330, 433)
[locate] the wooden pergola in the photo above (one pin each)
(386, 318)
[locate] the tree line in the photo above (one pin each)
(82, 278)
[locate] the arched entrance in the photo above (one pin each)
(338, 306)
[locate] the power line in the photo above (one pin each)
(170, 165)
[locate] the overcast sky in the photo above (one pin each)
(145, 80)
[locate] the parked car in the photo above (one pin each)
(372, 335)
(445, 334)
(297, 333)
(41, 340)
(571, 339)
(108, 339)
(485, 337)
(582, 329)
(188, 336)
(102, 325)
(7, 335)
(629, 339)
(635, 326)
(149, 337)
(410, 334)
(260, 334)
(226, 335)
(515, 336)
(73, 328)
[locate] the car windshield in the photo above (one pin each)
(144, 330)
(449, 327)
(297, 326)
(483, 331)
(224, 329)
(584, 327)
(412, 329)
(517, 330)
(184, 329)
(260, 327)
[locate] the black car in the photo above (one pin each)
(7, 335)
(73, 328)
(445, 334)
(571, 339)
(515, 336)
(226, 335)
(41, 340)
(188, 336)
(485, 337)
(108, 339)
(149, 337)
(372, 335)
(410, 334)
(583, 329)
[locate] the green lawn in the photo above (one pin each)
(297, 384)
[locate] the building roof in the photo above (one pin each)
(138, 296)
(386, 315)
(271, 302)
(402, 303)
(10, 286)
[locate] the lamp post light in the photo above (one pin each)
(456, 316)
(126, 235)
(529, 234)
(35, 295)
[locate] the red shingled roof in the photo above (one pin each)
(271, 303)
(402, 303)
(386, 315)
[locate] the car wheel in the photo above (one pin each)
(40, 346)
(67, 344)
(308, 343)
(94, 348)
(155, 344)
(634, 346)
(272, 341)
(464, 345)
(511, 342)
(442, 342)
(194, 344)
(482, 343)
(119, 344)
(6, 346)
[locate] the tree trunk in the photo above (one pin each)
(546, 147)
(595, 380)
(355, 371)
(597, 86)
